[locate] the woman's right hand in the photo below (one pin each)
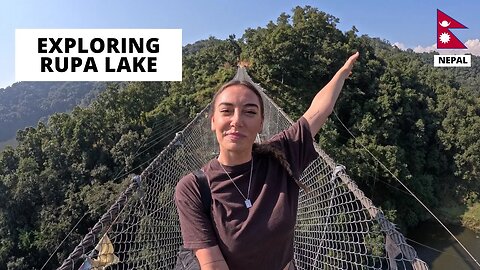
(211, 258)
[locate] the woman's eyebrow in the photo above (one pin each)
(231, 104)
(251, 105)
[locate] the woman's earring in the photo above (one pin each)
(258, 139)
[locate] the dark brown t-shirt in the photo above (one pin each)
(260, 237)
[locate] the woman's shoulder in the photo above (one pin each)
(185, 185)
(189, 182)
(294, 132)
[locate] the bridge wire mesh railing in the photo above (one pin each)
(337, 226)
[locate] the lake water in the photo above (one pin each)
(443, 252)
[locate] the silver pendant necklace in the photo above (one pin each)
(248, 203)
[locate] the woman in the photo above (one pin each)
(254, 199)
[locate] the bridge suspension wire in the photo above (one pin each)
(156, 137)
(410, 192)
(337, 227)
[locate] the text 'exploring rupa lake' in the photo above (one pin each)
(98, 55)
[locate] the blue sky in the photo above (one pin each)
(410, 23)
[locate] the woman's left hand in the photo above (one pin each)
(324, 101)
(346, 69)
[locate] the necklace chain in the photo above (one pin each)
(248, 203)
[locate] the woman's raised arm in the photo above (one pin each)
(324, 101)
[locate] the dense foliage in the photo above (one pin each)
(421, 122)
(25, 103)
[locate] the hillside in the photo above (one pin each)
(25, 103)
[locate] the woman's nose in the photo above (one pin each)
(236, 119)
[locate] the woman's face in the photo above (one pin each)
(236, 118)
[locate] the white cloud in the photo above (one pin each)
(399, 45)
(473, 46)
(421, 49)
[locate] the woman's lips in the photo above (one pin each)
(234, 135)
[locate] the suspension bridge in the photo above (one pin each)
(338, 227)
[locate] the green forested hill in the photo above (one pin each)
(421, 122)
(466, 77)
(25, 103)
